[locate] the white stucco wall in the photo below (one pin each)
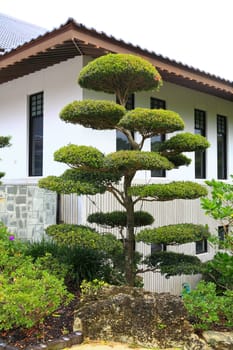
(59, 84)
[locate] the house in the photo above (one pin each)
(39, 77)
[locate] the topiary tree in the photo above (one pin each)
(93, 172)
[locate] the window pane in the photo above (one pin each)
(36, 135)
(200, 156)
(156, 103)
(201, 246)
(221, 147)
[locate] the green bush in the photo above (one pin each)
(206, 309)
(220, 271)
(91, 288)
(80, 262)
(28, 292)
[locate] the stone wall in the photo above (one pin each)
(26, 210)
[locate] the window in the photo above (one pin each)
(36, 134)
(200, 156)
(157, 139)
(158, 247)
(222, 146)
(122, 142)
(222, 232)
(201, 246)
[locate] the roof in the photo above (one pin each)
(14, 32)
(73, 39)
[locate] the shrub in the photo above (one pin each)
(206, 309)
(220, 271)
(28, 292)
(91, 288)
(79, 262)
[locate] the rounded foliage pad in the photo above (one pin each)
(119, 218)
(174, 234)
(121, 74)
(95, 114)
(130, 161)
(152, 121)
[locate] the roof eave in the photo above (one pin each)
(80, 40)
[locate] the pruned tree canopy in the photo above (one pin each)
(119, 218)
(120, 74)
(150, 122)
(80, 156)
(131, 161)
(174, 234)
(95, 114)
(184, 142)
(171, 263)
(170, 191)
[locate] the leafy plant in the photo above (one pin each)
(28, 292)
(220, 271)
(91, 288)
(80, 262)
(206, 309)
(219, 205)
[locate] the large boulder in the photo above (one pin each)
(133, 315)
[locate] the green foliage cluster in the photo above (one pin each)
(119, 218)
(91, 288)
(131, 161)
(95, 114)
(170, 191)
(219, 270)
(28, 292)
(171, 263)
(219, 205)
(80, 181)
(80, 156)
(78, 263)
(184, 142)
(150, 122)
(84, 236)
(4, 142)
(66, 186)
(174, 234)
(121, 74)
(206, 309)
(178, 159)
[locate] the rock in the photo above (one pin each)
(133, 315)
(219, 340)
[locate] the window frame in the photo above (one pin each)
(36, 133)
(157, 103)
(201, 246)
(200, 156)
(221, 141)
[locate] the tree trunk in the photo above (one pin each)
(130, 239)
